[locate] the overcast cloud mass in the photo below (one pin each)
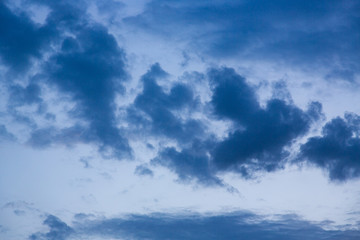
(162, 119)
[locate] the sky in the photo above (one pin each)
(163, 119)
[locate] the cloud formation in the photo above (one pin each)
(58, 230)
(297, 33)
(338, 149)
(257, 139)
(90, 68)
(20, 39)
(191, 163)
(236, 225)
(260, 135)
(191, 87)
(160, 108)
(84, 63)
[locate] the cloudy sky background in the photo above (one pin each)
(179, 119)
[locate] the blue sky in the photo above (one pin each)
(162, 119)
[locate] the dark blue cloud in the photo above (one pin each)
(58, 230)
(160, 108)
(236, 225)
(338, 149)
(21, 42)
(84, 62)
(21, 39)
(232, 97)
(257, 139)
(87, 65)
(260, 134)
(91, 68)
(190, 163)
(298, 33)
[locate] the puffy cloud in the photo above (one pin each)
(232, 97)
(257, 139)
(261, 134)
(85, 63)
(90, 68)
(338, 149)
(160, 108)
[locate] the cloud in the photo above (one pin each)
(21, 97)
(258, 138)
(143, 170)
(260, 135)
(160, 108)
(232, 97)
(235, 225)
(20, 39)
(25, 95)
(5, 135)
(296, 33)
(338, 149)
(65, 15)
(46, 137)
(29, 95)
(90, 68)
(190, 163)
(84, 63)
(21, 208)
(58, 230)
